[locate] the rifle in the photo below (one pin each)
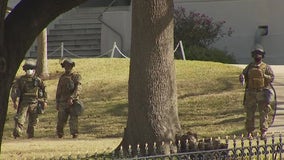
(275, 103)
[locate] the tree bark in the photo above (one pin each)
(42, 69)
(152, 113)
(17, 33)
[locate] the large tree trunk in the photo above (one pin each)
(4, 92)
(152, 113)
(42, 69)
(17, 33)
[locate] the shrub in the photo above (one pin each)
(206, 54)
(197, 29)
(197, 32)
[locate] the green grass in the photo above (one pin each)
(209, 98)
(209, 104)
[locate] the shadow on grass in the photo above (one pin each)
(97, 131)
(224, 122)
(227, 86)
(227, 113)
(106, 93)
(238, 111)
(118, 110)
(88, 128)
(233, 120)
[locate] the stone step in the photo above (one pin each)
(79, 30)
(279, 119)
(83, 16)
(73, 47)
(80, 53)
(78, 21)
(74, 42)
(76, 47)
(88, 10)
(77, 26)
(75, 31)
(62, 38)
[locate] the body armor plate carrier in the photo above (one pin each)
(256, 78)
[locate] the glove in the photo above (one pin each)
(15, 106)
(70, 101)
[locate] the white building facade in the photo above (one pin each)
(243, 16)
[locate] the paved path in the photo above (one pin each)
(278, 126)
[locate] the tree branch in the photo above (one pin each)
(27, 20)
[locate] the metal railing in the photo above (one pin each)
(241, 149)
(110, 53)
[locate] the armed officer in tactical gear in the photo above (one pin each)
(67, 97)
(27, 94)
(257, 77)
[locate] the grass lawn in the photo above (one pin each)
(209, 100)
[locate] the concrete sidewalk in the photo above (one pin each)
(277, 127)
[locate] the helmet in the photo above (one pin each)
(29, 64)
(67, 61)
(78, 107)
(258, 50)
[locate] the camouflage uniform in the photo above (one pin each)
(258, 78)
(27, 92)
(68, 88)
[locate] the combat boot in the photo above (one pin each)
(16, 135)
(30, 136)
(60, 135)
(75, 136)
(263, 135)
(250, 136)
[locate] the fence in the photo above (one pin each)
(109, 53)
(180, 45)
(241, 149)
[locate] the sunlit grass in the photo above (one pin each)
(209, 96)
(209, 99)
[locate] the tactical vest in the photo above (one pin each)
(256, 78)
(68, 85)
(29, 87)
